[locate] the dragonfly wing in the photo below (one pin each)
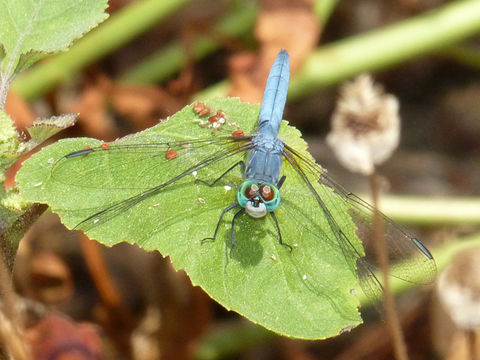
(134, 165)
(110, 169)
(408, 256)
(409, 259)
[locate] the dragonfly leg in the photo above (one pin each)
(281, 181)
(219, 222)
(278, 230)
(232, 231)
(240, 163)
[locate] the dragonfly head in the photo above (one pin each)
(258, 198)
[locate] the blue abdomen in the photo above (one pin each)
(275, 96)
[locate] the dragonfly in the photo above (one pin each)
(259, 195)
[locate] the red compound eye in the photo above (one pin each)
(251, 191)
(266, 192)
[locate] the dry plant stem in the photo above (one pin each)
(116, 318)
(471, 336)
(101, 277)
(11, 329)
(381, 250)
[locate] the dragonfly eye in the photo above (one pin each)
(266, 192)
(251, 191)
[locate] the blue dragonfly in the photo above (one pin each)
(259, 195)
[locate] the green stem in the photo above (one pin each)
(385, 47)
(122, 27)
(382, 48)
(431, 211)
(324, 8)
(169, 60)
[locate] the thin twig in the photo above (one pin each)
(118, 314)
(382, 255)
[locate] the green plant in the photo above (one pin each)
(28, 32)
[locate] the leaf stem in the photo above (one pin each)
(4, 87)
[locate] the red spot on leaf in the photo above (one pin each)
(201, 109)
(221, 114)
(213, 118)
(171, 154)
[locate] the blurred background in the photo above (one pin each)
(150, 59)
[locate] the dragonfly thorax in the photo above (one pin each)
(258, 198)
(265, 159)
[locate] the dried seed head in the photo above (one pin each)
(365, 125)
(458, 288)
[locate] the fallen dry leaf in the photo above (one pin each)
(285, 24)
(92, 106)
(19, 110)
(143, 105)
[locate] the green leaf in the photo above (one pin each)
(11, 148)
(9, 144)
(44, 128)
(305, 293)
(43, 26)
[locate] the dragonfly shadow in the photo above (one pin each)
(247, 249)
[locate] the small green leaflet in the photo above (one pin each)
(305, 293)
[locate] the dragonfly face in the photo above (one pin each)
(258, 198)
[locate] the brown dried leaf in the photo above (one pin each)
(143, 105)
(92, 106)
(285, 24)
(246, 76)
(19, 110)
(50, 278)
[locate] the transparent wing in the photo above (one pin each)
(408, 256)
(133, 172)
